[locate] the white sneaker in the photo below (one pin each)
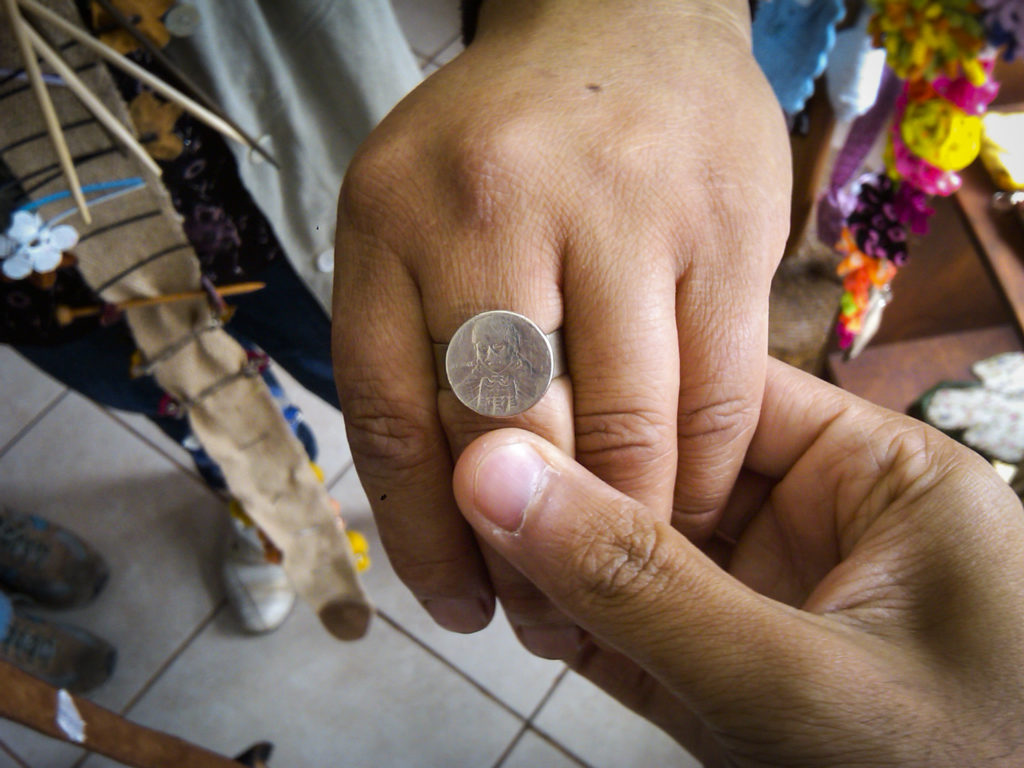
(258, 590)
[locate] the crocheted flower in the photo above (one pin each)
(29, 245)
(925, 38)
(1004, 20)
(911, 208)
(904, 164)
(874, 222)
(941, 134)
(972, 98)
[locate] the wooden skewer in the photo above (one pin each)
(35, 77)
(67, 315)
(127, 65)
(183, 80)
(91, 102)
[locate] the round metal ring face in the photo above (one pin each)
(499, 363)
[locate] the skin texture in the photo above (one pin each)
(618, 169)
(862, 605)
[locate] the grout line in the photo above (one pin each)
(485, 691)
(555, 744)
(32, 422)
(528, 727)
(175, 655)
(11, 754)
(159, 449)
(337, 477)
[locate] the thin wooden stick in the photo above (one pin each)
(91, 102)
(127, 65)
(183, 80)
(35, 77)
(67, 315)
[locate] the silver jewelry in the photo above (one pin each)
(500, 363)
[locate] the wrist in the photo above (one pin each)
(682, 17)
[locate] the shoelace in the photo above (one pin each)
(18, 546)
(22, 643)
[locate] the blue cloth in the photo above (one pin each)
(6, 614)
(792, 40)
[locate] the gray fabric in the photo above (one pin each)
(312, 77)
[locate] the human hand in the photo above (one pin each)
(617, 169)
(870, 612)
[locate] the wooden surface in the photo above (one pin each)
(896, 375)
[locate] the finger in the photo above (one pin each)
(623, 360)
(628, 578)
(635, 688)
(517, 272)
(387, 389)
(723, 333)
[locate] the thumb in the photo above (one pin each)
(632, 581)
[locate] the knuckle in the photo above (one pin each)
(431, 574)
(389, 436)
(370, 183)
(490, 167)
(722, 419)
(628, 562)
(636, 438)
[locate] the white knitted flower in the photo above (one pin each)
(29, 245)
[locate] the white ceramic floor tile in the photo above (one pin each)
(158, 530)
(27, 391)
(494, 657)
(599, 730)
(139, 423)
(532, 751)
(6, 761)
(429, 25)
(380, 701)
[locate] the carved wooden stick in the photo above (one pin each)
(37, 705)
(67, 315)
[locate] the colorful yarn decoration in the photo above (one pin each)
(926, 38)
(935, 46)
(1004, 23)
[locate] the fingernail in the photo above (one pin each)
(552, 642)
(507, 479)
(458, 615)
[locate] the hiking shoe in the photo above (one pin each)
(59, 654)
(257, 588)
(47, 563)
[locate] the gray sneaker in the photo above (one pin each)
(47, 563)
(60, 654)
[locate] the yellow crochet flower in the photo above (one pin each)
(941, 134)
(926, 38)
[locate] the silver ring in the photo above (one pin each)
(500, 363)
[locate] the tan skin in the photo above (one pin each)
(870, 612)
(615, 168)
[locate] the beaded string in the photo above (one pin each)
(944, 51)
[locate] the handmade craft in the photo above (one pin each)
(944, 53)
(135, 255)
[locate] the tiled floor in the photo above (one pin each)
(410, 694)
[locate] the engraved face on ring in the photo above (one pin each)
(499, 363)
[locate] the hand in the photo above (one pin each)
(870, 612)
(617, 169)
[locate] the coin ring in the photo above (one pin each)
(500, 363)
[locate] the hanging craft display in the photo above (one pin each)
(944, 52)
